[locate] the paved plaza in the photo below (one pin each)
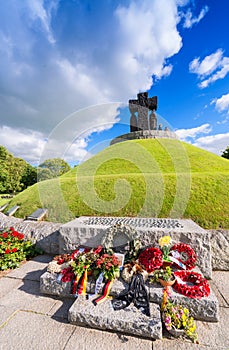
(32, 321)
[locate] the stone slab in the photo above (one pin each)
(60, 308)
(38, 214)
(175, 344)
(127, 321)
(7, 285)
(206, 309)
(32, 269)
(220, 285)
(27, 297)
(6, 313)
(215, 335)
(88, 231)
(12, 210)
(49, 285)
(27, 330)
(220, 249)
(93, 339)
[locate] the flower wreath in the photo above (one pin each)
(185, 248)
(151, 259)
(131, 269)
(133, 240)
(199, 289)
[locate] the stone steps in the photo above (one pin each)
(204, 309)
(127, 321)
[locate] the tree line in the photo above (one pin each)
(16, 174)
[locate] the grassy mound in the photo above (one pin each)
(147, 178)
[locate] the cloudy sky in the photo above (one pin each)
(67, 66)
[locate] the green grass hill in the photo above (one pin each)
(147, 178)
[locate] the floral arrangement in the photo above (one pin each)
(185, 249)
(62, 258)
(109, 265)
(199, 287)
(176, 318)
(163, 274)
(133, 242)
(164, 243)
(132, 268)
(14, 249)
(151, 259)
(67, 274)
(85, 260)
(58, 263)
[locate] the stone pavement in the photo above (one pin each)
(32, 321)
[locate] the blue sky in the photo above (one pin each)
(68, 65)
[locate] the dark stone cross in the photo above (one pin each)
(141, 106)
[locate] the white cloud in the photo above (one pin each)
(222, 103)
(38, 12)
(71, 137)
(211, 68)
(189, 20)
(184, 134)
(26, 144)
(207, 65)
(213, 143)
(58, 62)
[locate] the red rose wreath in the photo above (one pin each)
(185, 248)
(151, 259)
(199, 288)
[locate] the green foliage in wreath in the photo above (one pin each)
(134, 244)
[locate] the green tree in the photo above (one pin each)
(4, 174)
(57, 167)
(225, 153)
(44, 174)
(29, 176)
(16, 168)
(15, 173)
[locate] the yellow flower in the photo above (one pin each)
(165, 240)
(186, 311)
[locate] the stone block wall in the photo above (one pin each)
(47, 234)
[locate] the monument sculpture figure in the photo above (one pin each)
(141, 106)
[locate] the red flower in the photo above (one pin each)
(60, 261)
(151, 259)
(199, 289)
(5, 235)
(15, 234)
(185, 248)
(67, 274)
(14, 250)
(20, 236)
(7, 251)
(98, 249)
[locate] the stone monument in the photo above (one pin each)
(141, 106)
(143, 120)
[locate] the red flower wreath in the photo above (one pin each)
(185, 248)
(199, 289)
(151, 259)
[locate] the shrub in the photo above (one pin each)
(14, 248)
